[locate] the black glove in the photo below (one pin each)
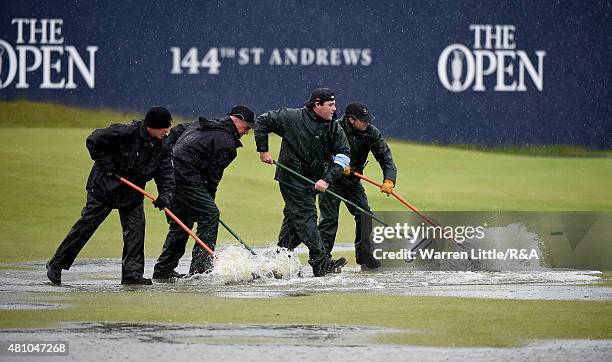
(160, 203)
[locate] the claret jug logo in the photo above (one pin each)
(39, 48)
(494, 55)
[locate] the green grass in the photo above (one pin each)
(23, 113)
(428, 321)
(539, 150)
(44, 171)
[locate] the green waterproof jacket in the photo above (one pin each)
(309, 144)
(361, 143)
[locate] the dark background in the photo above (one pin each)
(401, 86)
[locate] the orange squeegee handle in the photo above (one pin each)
(172, 216)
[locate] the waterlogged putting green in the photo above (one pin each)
(426, 321)
(555, 304)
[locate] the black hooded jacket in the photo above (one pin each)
(204, 150)
(127, 150)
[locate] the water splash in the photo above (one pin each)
(513, 236)
(237, 265)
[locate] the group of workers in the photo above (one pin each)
(187, 163)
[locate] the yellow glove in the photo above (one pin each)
(347, 171)
(387, 187)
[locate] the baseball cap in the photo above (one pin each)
(359, 111)
(320, 95)
(244, 113)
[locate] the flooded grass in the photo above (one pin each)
(426, 321)
(606, 279)
(417, 308)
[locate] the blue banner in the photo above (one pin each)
(487, 72)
